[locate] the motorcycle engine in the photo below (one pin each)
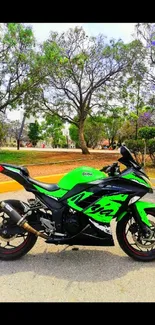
(72, 223)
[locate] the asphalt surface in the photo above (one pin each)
(59, 274)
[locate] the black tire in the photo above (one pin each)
(29, 239)
(133, 250)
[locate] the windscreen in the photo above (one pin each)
(127, 158)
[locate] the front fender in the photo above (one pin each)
(143, 209)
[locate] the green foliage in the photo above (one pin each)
(73, 132)
(51, 129)
(93, 131)
(4, 128)
(151, 149)
(72, 74)
(77, 68)
(112, 123)
(19, 80)
(34, 133)
(2, 132)
(146, 132)
(126, 131)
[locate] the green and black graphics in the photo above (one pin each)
(79, 209)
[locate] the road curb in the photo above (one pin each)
(10, 186)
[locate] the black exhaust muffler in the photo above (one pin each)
(20, 221)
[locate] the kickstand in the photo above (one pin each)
(64, 249)
(73, 249)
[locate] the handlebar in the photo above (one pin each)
(111, 170)
(104, 169)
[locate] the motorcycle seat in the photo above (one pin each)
(45, 186)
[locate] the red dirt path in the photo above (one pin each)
(96, 161)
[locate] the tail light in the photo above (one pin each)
(1, 168)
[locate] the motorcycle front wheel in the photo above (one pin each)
(132, 241)
(14, 246)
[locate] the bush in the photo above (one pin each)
(12, 144)
(137, 148)
(151, 149)
(147, 132)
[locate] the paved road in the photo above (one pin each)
(51, 274)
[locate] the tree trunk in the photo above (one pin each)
(20, 132)
(18, 144)
(137, 111)
(82, 141)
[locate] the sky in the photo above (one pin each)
(111, 30)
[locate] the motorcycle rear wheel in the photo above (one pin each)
(132, 242)
(14, 246)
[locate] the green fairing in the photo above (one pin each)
(106, 208)
(133, 177)
(77, 198)
(80, 175)
(141, 206)
(58, 193)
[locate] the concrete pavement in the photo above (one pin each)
(51, 274)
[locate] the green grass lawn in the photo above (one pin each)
(38, 157)
(17, 157)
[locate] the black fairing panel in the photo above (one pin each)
(49, 201)
(20, 178)
(107, 186)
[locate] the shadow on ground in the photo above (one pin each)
(84, 265)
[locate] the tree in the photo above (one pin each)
(3, 128)
(34, 133)
(78, 68)
(112, 123)
(147, 118)
(51, 129)
(73, 132)
(146, 132)
(93, 131)
(14, 128)
(3, 132)
(146, 34)
(132, 94)
(16, 57)
(126, 131)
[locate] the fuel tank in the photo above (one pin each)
(80, 175)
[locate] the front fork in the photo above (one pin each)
(140, 210)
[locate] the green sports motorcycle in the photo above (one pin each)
(78, 210)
